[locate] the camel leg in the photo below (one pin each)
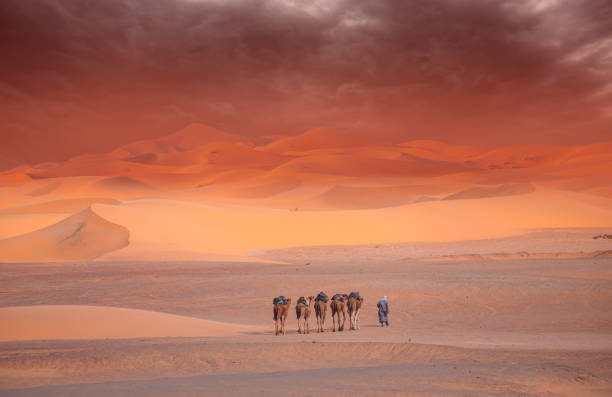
(276, 327)
(323, 315)
(357, 318)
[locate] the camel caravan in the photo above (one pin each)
(341, 306)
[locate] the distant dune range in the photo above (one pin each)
(203, 193)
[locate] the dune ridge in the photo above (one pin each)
(82, 236)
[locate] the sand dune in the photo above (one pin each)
(82, 236)
(235, 229)
(98, 322)
(195, 134)
(16, 175)
(222, 154)
(15, 225)
(67, 206)
(359, 165)
(124, 186)
(359, 197)
(492, 191)
(434, 150)
(46, 189)
(318, 138)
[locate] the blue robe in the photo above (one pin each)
(383, 310)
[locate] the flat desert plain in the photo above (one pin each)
(150, 270)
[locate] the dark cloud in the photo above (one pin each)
(95, 74)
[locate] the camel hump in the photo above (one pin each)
(338, 297)
(355, 294)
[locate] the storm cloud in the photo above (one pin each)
(84, 76)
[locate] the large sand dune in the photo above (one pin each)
(82, 236)
(96, 322)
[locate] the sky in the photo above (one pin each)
(85, 76)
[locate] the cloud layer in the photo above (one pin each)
(85, 76)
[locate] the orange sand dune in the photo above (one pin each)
(235, 230)
(492, 191)
(222, 154)
(359, 165)
(360, 197)
(125, 187)
(82, 236)
(195, 134)
(100, 165)
(15, 225)
(271, 188)
(67, 206)
(100, 322)
(46, 189)
(199, 156)
(440, 151)
(519, 156)
(318, 138)
(16, 175)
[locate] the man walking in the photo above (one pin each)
(383, 311)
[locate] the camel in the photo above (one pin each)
(302, 312)
(281, 310)
(338, 306)
(355, 301)
(321, 310)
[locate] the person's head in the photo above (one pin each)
(385, 297)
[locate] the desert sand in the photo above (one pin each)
(481, 327)
(96, 322)
(150, 269)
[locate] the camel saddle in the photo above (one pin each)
(338, 297)
(321, 297)
(302, 300)
(355, 295)
(279, 299)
